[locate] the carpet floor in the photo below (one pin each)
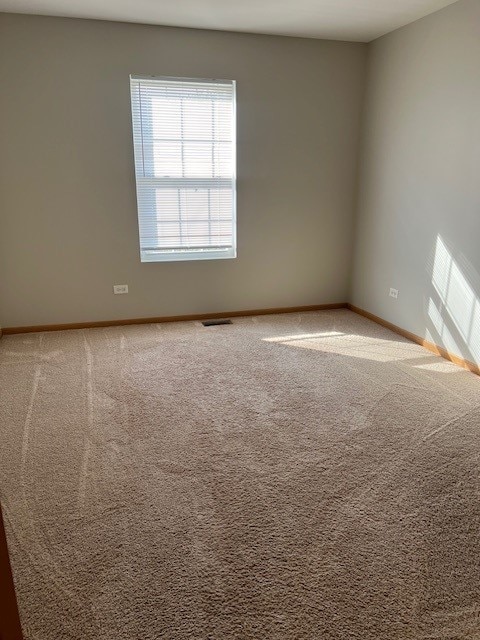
(293, 477)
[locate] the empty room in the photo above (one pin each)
(240, 320)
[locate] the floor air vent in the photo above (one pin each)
(214, 323)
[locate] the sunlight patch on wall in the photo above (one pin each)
(456, 314)
(448, 341)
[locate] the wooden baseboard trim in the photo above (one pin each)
(10, 628)
(434, 348)
(197, 316)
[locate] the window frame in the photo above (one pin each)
(198, 253)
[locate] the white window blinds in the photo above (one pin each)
(184, 143)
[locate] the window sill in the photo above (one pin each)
(153, 256)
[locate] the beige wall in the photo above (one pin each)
(67, 192)
(418, 225)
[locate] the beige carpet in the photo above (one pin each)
(290, 477)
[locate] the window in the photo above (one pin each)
(184, 143)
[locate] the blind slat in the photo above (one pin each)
(183, 135)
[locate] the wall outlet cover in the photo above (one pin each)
(120, 288)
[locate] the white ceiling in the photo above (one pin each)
(358, 20)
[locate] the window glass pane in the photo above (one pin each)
(222, 159)
(166, 117)
(198, 159)
(167, 159)
(197, 119)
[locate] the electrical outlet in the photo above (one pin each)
(394, 293)
(120, 288)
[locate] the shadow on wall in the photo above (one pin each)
(453, 308)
